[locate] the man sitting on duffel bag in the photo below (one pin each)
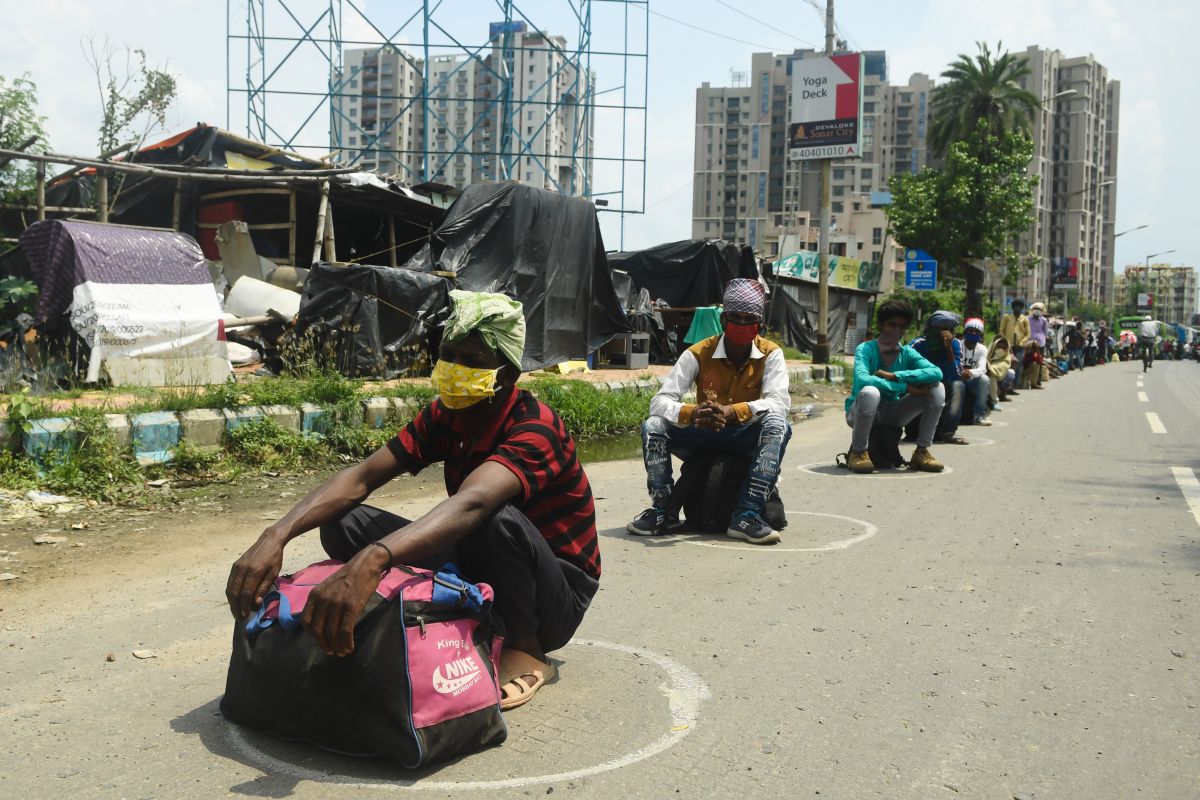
(519, 515)
(741, 385)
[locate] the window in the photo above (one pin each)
(354, 112)
(354, 83)
(353, 140)
(839, 174)
(877, 236)
(868, 108)
(866, 174)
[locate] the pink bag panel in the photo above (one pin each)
(448, 677)
(299, 585)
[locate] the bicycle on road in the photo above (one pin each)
(1146, 350)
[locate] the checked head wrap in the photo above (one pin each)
(745, 295)
(499, 320)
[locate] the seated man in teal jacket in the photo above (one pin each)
(893, 383)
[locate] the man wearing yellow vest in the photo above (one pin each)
(741, 386)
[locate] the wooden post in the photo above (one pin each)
(102, 195)
(41, 190)
(292, 225)
(319, 231)
(330, 241)
(177, 205)
(391, 232)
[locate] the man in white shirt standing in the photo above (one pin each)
(975, 369)
(741, 385)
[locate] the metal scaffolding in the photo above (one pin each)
(286, 62)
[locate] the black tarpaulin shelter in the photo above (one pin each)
(380, 322)
(149, 201)
(541, 248)
(688, 273)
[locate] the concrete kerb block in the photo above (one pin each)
(315, 420)
(235, 417)
(819, 372)
(837, 374)
(616, 386)
(121, 430)
(802, 374)
(285, 417)
(602, 386)
(154, 435)
(203, 428)
(375, 412)
(54, 434)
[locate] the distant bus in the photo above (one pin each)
(1131, 324)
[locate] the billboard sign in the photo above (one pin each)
(1145, 302)
(826, 120)
(1065, 273)
(844, 272)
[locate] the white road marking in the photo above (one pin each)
(684, 692)
(1156, 425)
(1143, 397)
(869, 530)
(1190, 487)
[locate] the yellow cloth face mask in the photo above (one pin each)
(461, 387)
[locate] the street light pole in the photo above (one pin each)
(821, 349)
(1153, 255)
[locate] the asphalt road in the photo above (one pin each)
(1021, 626)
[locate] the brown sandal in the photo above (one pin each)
(515, 667)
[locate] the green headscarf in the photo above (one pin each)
(499, 320)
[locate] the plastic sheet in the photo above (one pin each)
(538, 247)
(368, 321)
(686, 274)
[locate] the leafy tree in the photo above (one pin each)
(19, 120)
(971, 209)
(985, 90)
(134, 98)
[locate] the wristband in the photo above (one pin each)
(391, 558)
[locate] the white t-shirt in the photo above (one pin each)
(975, 359)
(1148, 329)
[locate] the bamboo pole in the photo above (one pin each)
(177, 204)
(102, 195)
(319, 231)
(18, 152)
(292, 228)
(330, 240)
(41, 190)
(51, 209)
(391, 232)
(258, 177)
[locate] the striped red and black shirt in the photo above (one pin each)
(530, 440)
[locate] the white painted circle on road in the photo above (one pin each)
(828, 470)
(869, 530)
(684, 691)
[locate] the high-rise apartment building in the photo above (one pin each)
(468, 125)
(746, 190)
(1075, 159)
(745, 187)
(1173, 290)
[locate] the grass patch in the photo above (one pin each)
(588, 412)
(93, 465)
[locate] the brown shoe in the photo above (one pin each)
(923, 460)
(860, 463)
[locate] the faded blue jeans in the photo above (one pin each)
(763, 440)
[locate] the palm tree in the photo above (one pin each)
(984, 91)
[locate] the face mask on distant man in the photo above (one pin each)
(972, 338)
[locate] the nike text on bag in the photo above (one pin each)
(419, 688)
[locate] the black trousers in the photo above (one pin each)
(537, 594)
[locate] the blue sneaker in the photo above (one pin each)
(750, 527)
(654, 522)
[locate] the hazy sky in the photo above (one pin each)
(1143, 43)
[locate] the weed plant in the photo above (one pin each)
(588, 412)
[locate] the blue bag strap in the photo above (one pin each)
(286, 619)
(257, 622)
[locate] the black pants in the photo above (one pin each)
(537, 594)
